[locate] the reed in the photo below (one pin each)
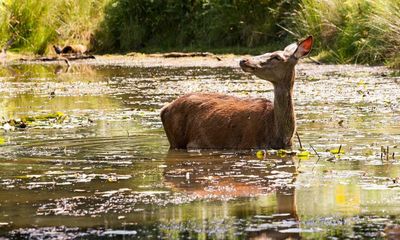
(351, 31)
(35, 24)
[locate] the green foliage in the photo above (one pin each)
(23, 21)
(351, 31)
(34, 24)
(171, 25)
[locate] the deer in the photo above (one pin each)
(70, 49)
(218, 121)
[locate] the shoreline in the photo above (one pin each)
(210, 61)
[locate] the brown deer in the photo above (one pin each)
(70, 49)
(216, 121)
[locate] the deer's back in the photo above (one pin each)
(76, 49)
(218, 121)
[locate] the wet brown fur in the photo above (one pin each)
(205, 120)
(216, 121)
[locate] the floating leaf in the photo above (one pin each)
(368, 152)
(282, 152)
(303, 154)
(336, 151)
(361, 83)
(43, 117)
(40, 120)
(260, 154)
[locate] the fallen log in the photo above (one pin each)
(177, 55)
(58, 58)
(190, 54)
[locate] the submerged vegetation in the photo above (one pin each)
(355, 31)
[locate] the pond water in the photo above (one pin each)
(101, 168)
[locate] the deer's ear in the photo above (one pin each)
(304, 47)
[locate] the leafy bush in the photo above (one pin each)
(170, 24)
(346, 31)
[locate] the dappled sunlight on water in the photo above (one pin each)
(102, 167)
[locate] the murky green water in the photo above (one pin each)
(105, 170)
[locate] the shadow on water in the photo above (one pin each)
(105, 169)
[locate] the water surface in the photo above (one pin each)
(104, 170)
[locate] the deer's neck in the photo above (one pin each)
(284, 116)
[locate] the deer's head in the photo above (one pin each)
(277, 67)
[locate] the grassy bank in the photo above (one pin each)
(34, 25)
(356, 31)
(352, 31)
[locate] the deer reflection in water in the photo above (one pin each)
(210, 176)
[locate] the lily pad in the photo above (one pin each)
(337, 151)
(260, 154)
(304, 154)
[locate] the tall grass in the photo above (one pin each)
(79, 20)
(351, 31)
(386, 19)
(35, 24)
(25, 23)
(346, 31)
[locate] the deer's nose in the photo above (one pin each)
(244, 62)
